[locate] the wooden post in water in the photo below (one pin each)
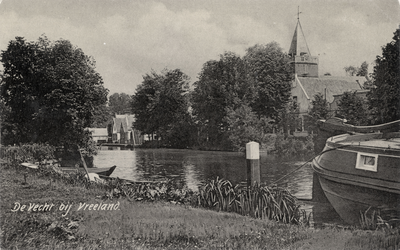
(253, 162)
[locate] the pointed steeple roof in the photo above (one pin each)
(299, 46)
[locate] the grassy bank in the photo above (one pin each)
(133, 225)
(122, 223)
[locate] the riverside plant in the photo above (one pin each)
(263, 202)
(149, 191)
(373, 220)
(14, 155)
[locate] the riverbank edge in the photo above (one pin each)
(277, 144)
(176, 226)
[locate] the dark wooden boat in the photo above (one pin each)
(99, 171)
(358, 172)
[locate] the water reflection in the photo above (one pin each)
(195, 167)
(192, 167)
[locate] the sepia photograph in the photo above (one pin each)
(200, 124)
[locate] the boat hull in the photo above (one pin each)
(99, 171)
(350, 201)
(358, 173)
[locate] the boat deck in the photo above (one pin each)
(393, 144)
(374, 140)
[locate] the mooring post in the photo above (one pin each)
(253, 162)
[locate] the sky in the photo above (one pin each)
(130, 38)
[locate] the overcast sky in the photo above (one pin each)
(129, 38)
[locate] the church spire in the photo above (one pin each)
(304, 63)
(299, 45)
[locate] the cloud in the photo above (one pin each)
(244, 32)
(131, 38)
(350, 39)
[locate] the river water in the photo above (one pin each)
(193, 167)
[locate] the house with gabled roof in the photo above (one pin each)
(123, 131)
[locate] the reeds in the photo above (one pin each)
(379, 219)
(264, 202)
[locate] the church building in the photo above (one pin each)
(307, 81)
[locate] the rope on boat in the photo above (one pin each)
(322, 152)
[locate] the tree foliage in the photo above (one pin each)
(261, 81)
(222, 84)
(357, 71)
(119, 103)
(353, 109)
(102, 117)
(320, 109)
(245, 126)
(384, 97)
(161, 102)
(51, 89)
(269, 71)
(351, 70)
(363, 70)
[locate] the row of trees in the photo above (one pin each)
(235, 100)
(50, 92)
(350, 106)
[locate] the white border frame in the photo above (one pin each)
(361, 165)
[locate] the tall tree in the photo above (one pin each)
(384, 98)
(269, 72)
(222, 84)
(119, 103)
(52, 89)
(160, 102)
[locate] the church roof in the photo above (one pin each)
(329, 85)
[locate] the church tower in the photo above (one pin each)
(305, 65)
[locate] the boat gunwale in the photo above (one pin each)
(349, 142)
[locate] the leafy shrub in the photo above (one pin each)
(149, 191)
(292, 146)
(14, 155)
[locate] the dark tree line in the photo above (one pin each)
(51, 92)
(234, 100)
